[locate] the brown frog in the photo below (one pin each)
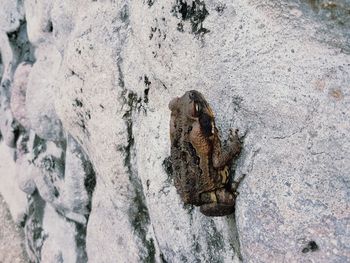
(200, 164)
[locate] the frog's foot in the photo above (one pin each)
(216, 209)
(234, 144)
(233, 134)
(235, 184)
(218, 203)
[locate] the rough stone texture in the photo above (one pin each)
(92, 159)
(11, 238)
(18, 94)
(40, 94)
(14, 197)
(11, 14)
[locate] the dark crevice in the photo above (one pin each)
(22, 51)
(310, 247)
(34, 232)
(146, 90)
(138, 211)
(49, 27)
(81, 229)
(21, 47)
(49, 164)
(89, 183)
(162, 258)
(236, 245)
(216, 243)
(80, 240)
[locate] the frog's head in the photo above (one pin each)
(194, 107)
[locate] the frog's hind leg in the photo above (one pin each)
(214, 209)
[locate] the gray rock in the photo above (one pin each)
(8, 125)
(11, 238)
(48, 159)
(25, 168)
(67, 251)
(64, 177)
(79, 182)
(41, 94)
(8, 61)
(13, 196)
(63, 16)
(1, 69)
(44, 230)
(33, 229)
(105, 72)
(11, 13)
(122, 177)
(18, 94)
(63, 190)
(39, 24)
(14, 48)
(25, 182)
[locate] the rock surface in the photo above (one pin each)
(89, 144)
(11, 238)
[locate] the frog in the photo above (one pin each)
(200, 164)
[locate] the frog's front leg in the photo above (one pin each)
(223, 155)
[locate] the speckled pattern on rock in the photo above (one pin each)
(11, 238)
(103, 74)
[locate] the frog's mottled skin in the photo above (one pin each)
(200, 164)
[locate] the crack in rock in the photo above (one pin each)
(138, 211)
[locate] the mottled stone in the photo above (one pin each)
(11, 238)
(63, 17)
(40, 99)
(277, 70)
(24, 163)
(33, 227)
(11, 13)
(79, 182)
(59, 246)
(39, 24)
(8, 61)
(8, 127)
(48, 170)
(13, 196)
(18, 94)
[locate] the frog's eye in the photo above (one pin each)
(196, 109)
